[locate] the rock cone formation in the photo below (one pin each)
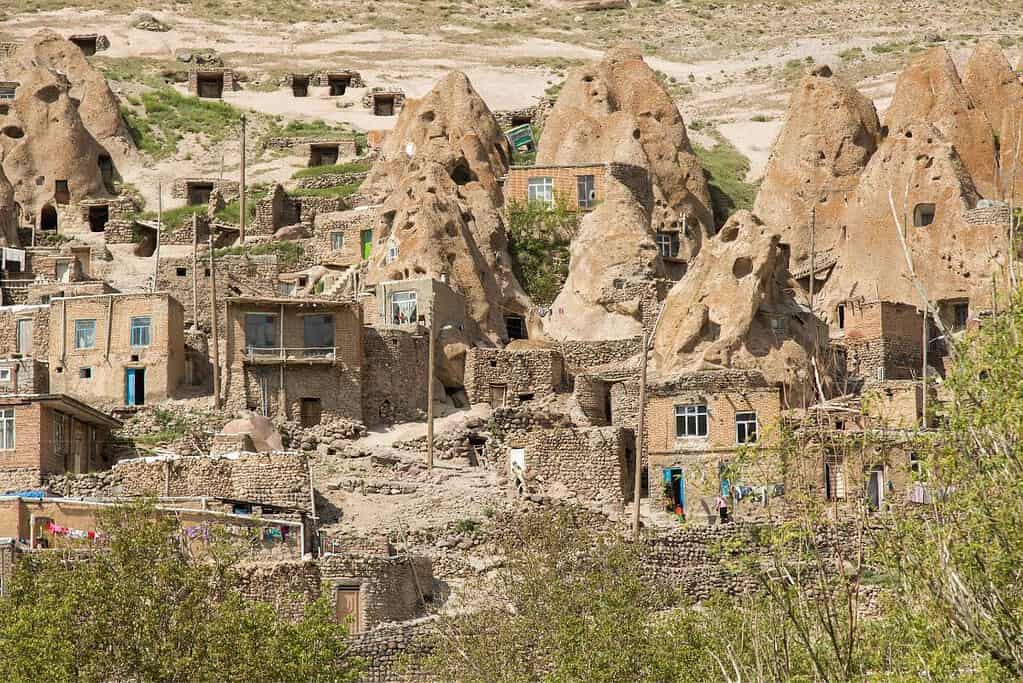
(585, 127)
(438, 178)
(998, 92)
(830, 133)
(933, 193)
(929, 90)
(8, 213)
(63, 119)
(719, 314)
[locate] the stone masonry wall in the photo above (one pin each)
(590, 354)
(280, 479)
(534, 372)
(394, 375)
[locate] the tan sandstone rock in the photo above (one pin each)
(584, 127)
(929, 89)
(442, 204)
(719, 314)
(830, 133)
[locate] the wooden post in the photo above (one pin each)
(241, 191)
(159, 229)
(924, 376)
(429, 392)
(640, 435)
(213, 318)
(813, 250)
(195, 271)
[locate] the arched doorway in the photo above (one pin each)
(48, 218)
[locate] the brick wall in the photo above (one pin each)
(532, 373)
(516, 184)
(882, 335)
(394, 379)
(236, 275)
(163, 359)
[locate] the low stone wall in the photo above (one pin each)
(280, 479)
(991, 215)
(326, 180)
(228, 188)
(590, 354)
(392, 651)
(118, 231)
(20, 479)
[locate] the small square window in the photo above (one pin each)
(5, 374)
(85, 373)
(337, 241)
(181, 272)
(206, 272)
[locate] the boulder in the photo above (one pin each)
(265, 436)
(438, 179)
(830, 133)
(144, 21)
(929, 89)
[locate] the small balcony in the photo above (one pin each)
(255, 355)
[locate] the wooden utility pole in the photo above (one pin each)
(159, 229)
(429, 392)
(195, 271)
(213, 318)
(640, 434)
(924, 375)
(813, 251)
(241, 191)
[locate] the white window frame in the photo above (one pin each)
(406, 302)
(743, 420)
(664, 244)
(337, 240)
(692, 411)
(8, 440)
(81, 326)
(23, 340)
(137, 324)
(540, 189)
(392, 252)
(589, 183)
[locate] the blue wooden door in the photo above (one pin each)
(134, 386)
(129, 386)
(675, 478)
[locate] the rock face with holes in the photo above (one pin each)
(829, 135)
(8, 213)
(734, 309)
(603, 102)
(998, 93)
(957, 248)
(438, 179)
(62, 127)
(929, 89)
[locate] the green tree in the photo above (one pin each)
(539, 237)
(143, 609)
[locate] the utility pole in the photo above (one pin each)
(195, 270)
(159, 229)
(640, 434)
(213, 318)
(813, 250)
(241, 190)
(429, 392)
(924, 376)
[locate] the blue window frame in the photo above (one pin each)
(141, 330)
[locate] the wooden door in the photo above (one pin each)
(498, 393)
(347, 607)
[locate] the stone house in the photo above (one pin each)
(300, 359)
(879, 340)
(510, 377)
(344, 238)
(117, 349)
(384, 101)
(90, 43)
(48, 434)
(394, 375)
(578, 186)
(197, 191)
(408, 303)
(211, 82)
(697, 424)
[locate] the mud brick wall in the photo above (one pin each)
(279, 479)
(394, 381)
(536, 372)
(592, 462)
(564, 179)
(236, 275)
